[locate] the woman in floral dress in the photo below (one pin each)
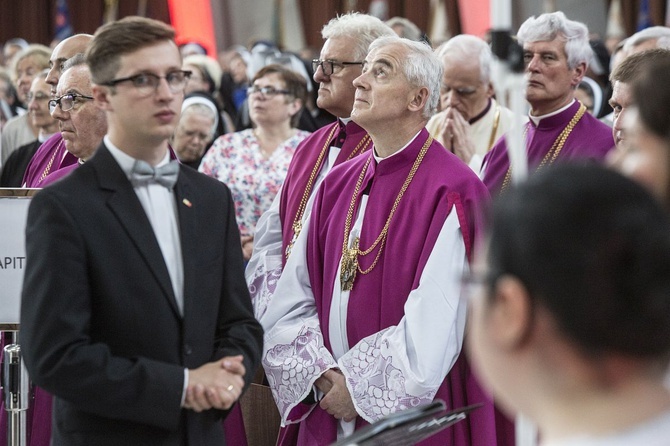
(253, 163)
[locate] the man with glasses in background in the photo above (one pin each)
(134, 316)
(52, 155)
(82, 124)
(341, 61)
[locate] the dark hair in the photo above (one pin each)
(124, 36)
(295, 84)
(651, 93)
(635, 64)
(593, 248)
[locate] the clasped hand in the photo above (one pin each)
(215, 385)
(337, 400)
(454, 135)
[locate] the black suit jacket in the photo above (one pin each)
(100, 327)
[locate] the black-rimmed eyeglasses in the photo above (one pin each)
(147, 83)
(266, 91)
(67, 101)
(330, 66)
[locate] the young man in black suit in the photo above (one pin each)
(135, 312)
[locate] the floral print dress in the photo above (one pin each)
(236, 159)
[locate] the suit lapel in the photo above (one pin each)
(125, 205)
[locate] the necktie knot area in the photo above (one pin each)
(143, 173)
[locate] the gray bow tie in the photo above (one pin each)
(166, 175)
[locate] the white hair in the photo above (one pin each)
(547, 27)
(421, 67)
(464, 47)
(409, 29)
(364, 28)
(662, 33)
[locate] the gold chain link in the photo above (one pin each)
(350, 255)
(47, 170)
(556, 148)
(297, 222)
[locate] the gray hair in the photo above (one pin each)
(38, 52)
(365, 28)
(409, 29)
(464, 47)
(77, 59)
(421, 67)
(554, 25)
(662, 33)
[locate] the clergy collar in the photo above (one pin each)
(378, 158)
(482, 114)
(126, 161)
(345, 121)
(536, 119)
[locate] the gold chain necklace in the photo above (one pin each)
(297, 222)
(556, 148)
(349, 264)
(47, 169)
(494, 130)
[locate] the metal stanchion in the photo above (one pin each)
(16, 394)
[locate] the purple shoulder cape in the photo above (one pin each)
(50, 157)
(303, 161)
(590, 139)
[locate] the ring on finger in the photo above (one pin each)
(230, 388)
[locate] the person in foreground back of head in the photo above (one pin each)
(571, 322)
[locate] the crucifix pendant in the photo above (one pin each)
(349, 266)
(297, 227)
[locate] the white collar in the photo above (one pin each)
(379, 158)
(536, 119)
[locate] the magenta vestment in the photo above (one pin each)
(442, 185)
(589, 139)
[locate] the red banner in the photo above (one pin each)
(192, 19)
(475, 16)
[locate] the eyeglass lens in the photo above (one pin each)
(326, 66)
(66, 103)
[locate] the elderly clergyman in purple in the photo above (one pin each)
(368, 317)
(556, 52)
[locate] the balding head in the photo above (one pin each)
(61, 53)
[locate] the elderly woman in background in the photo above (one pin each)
(19, 130)
(253, 162)
(195, 130)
